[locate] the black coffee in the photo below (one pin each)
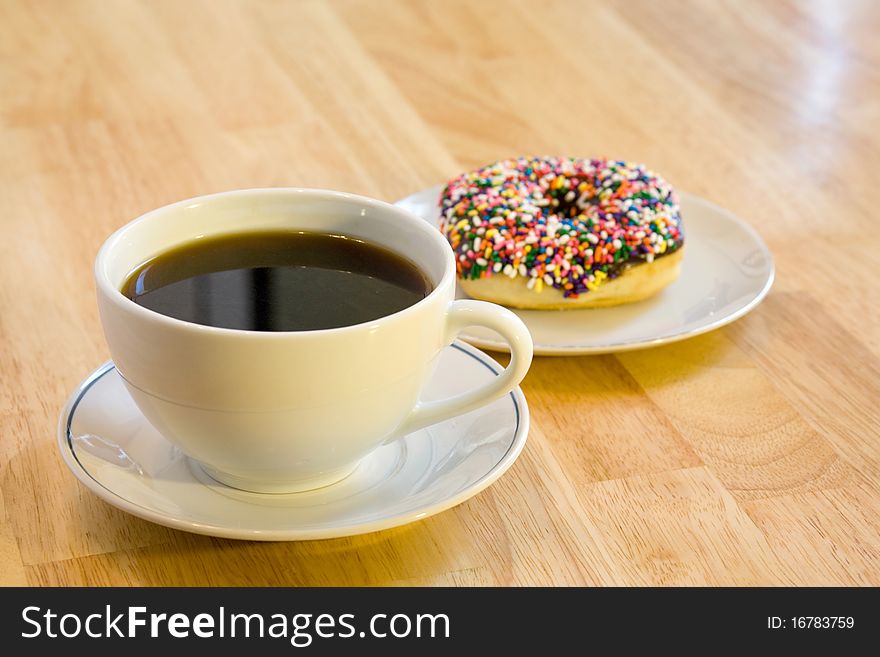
(277, 281)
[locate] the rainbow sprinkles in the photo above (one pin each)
(569, 223)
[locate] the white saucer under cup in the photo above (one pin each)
(726, 272)
(115, 452)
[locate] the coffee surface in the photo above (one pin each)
(277, 281)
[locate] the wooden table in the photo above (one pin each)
(747, 456)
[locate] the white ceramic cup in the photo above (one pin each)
(292, 411)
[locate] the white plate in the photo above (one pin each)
(117, 454)
(727, 270)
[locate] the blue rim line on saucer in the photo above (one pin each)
(68, 453)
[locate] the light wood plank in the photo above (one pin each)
(12, 571)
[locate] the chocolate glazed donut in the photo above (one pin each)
(555, 232)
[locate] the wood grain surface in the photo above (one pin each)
(746, 456)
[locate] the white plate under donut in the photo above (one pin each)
(727, 270)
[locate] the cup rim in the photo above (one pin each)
(115, 295)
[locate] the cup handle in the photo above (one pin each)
(461, 314)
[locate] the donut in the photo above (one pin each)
(561, 232)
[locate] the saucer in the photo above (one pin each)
(112, 449)
(726, 272)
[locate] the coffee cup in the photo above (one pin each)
(288, 411)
